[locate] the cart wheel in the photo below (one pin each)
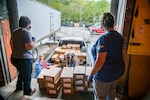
(35, 54)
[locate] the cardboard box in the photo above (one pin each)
(76, 46)
(53, 74)
(81, 55)
(41, 84)
(62, 57)
(63, 61)
(41, 75)
(67, 51)
(89, 88)
(55, 57)
(69, 46)
(82, 61)
(57, 61)
(64, 46)
(79, 72)
(79, 88)
(67, 80)
(79, 82)
(40, 79)
(67, 85)
(52, 85)
(77, 76)
(63, 64)
(78, 51)
(67, 91)
(57, 50)
(73, 51)
(53, 91)
(88, 71)
(89, 84)
(67, 75)
(62, 51)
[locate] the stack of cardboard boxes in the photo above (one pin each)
(89, 86)
(50, 79)
(59, 54)
(67, 80)
(40, 79)
(81, 74)
(70, 79)
(79, 79)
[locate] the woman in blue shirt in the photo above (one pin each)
(108, 60)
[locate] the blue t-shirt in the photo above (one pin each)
(114, 67)
(19, 39)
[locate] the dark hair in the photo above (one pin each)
(24, 21)
(107, 20)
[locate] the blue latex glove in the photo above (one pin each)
(90, 78)
(33, 39)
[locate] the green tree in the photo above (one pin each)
(79, 10)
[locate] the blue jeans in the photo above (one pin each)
(72, 64)
(37, 72)
(24, 67)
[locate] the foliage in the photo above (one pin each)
(79, 10)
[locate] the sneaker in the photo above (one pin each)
(32, 92)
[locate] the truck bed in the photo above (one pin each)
(70, 45)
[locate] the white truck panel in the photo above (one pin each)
(44, 20)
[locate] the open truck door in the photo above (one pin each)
(7, 71)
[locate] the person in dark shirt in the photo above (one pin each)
(70, 59)
(108, 60)
(22, 44)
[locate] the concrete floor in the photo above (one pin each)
(9, 93)
(42, 94)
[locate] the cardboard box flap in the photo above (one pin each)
(79, 70)
(42, 73)
(67, 72)
(53, 71)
